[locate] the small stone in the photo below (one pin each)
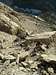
(34, 65)
(30, 62)
(33, 70)
(24, 64)
(13, 64)
(22, 69)
(35, 73)
(17, 60)
(50, 70)
(23, 56)
(6, 63)
(44, 72)
(44, 47)
(1, 56)
(9, 57)
(28, 69)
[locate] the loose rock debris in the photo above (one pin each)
(25, 48)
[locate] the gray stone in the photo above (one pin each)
(24, 64)
(49, 57)
(35, 73)
(50, 70)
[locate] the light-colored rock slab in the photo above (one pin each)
(49, 57)
(45, 37)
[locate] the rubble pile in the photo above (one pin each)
(27, 44)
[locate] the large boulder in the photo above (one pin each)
(47, 38)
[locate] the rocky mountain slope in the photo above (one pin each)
(47, 7)
(27, 44)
